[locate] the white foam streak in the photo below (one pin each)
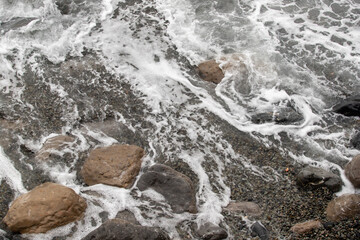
(9, 173)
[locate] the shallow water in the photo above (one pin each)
(76, 67)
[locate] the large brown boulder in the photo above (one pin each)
(305, 227)
(352, 171)
(117, 165)
(176, 188)
(210, 71)
(118, 229)
(45, 207)
(343, 207)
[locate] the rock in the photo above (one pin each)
(128, 216)
(355, 141)
(285, 115)
(352, 171)
(349, 106)
(248, 208)
(260, 231)
(306, 227)
(117, 165)
(210, 71)
(209, 231)
(318, 177)
(7, 196)
(343, 207)
(117, 229)
(176, 188)
(53, 146)
(45, 207)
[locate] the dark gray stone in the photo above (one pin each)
(260, 231)
(128, 216)
(209, 231)
(355, 140)
(286, 115)
(177, 188)
(317, 177)
(349, 106)
(117, 229)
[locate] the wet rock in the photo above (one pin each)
(210, 71)
(352, 171)
(45, 207)
(349, 106)
(117, 165)
(355, 141)
(53, 146)
(176, 188)
(248, 208)
(344, 207)
(260, 231)
(286, 115)
(318, 177)
(117, 229)
(128, 216)
(209, 231)
(15, 23)
(305, 227)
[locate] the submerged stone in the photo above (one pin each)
(352, 171)
(210, 71)
(260, 231)
(305, 227)
(177, 189)
(117, 229)
(318, 177)
(248, 208)
(209, 231)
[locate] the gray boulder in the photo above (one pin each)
(352, 171)
(176, 188)
(209, 231)
(317, 177)
(117, 229)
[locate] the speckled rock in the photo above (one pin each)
(177, 188)
(343, 207)
(117, 165)
(54, 145)
(45, 207)
(305, 227)
(117, 229)
(210, 71)
(352, 171)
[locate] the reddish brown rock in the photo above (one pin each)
(249, 208)
(117, 165)
(210, 71)
(343, 207)
(352, 171)
(54, 144)
(305, 227)
(45, 207)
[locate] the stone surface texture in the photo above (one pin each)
(54, 145)
(305, 227)
(209, 231)
(118, 229)
(210, 71)
(352, 171)
(248, 208)
(45, 207)
(177, 188)
(116, 165)
(344, 207)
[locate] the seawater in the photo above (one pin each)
(298, 55)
